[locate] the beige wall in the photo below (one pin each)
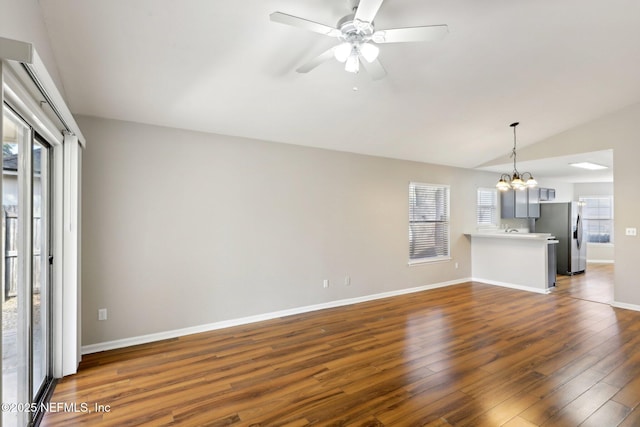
(619, 131)
(183, 229)
(585, 189)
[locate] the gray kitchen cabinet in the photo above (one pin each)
(547, 194)
(544, 194)
(520, 203)
(533, 202)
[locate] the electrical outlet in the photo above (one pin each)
(325, 283)
(347, 280)
(456, 265)
(102, 314)
(631, 231)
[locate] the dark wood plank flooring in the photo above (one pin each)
(596, 284)
(464, 355)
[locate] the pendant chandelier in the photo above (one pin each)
(515, 180)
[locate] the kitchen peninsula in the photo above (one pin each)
(523, 261)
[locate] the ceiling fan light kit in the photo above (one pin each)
(369, 51)
(350, 54)
(357, 34)
(343, 51)
(352, 64)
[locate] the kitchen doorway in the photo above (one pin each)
(595, 284)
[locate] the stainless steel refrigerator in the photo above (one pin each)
(564, 220)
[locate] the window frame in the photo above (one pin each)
(446, 222)
(610, 219)
(494, 208)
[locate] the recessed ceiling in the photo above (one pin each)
(224, 67)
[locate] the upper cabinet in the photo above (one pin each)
(547, 194)
(520, 203)
(533, 202)
(524, 203)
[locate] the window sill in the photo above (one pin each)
(422, 261)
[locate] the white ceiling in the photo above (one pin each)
(559, 168)
(224, 67)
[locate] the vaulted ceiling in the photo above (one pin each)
(224, 67)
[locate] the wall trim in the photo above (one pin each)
(512, 286)
(601, 261)
(144, 339)
(626, 306)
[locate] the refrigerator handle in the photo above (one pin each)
(577, 234)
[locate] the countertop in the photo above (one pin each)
(504, 235)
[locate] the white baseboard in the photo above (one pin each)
(143, 339)
(600, 261)
(512, 286)
(626, 306)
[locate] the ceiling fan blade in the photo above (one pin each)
(323, 57)
(295, 21)
(367, 10)
(375, 69)
(411, 34)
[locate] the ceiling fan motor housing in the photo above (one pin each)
(355, 31)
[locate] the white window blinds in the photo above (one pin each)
(487, 207)
(428, 222)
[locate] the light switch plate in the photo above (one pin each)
(631, 231)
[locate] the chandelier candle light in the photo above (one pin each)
(516, 180)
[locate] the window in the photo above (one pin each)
(487, 208)
(597, 216)
(428, 222)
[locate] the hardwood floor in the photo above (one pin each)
(596, 284)
(464, 355)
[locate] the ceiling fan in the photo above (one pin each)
(358, 37)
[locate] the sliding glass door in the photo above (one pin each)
(40, 284)
(25, 244)
(16, 136)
